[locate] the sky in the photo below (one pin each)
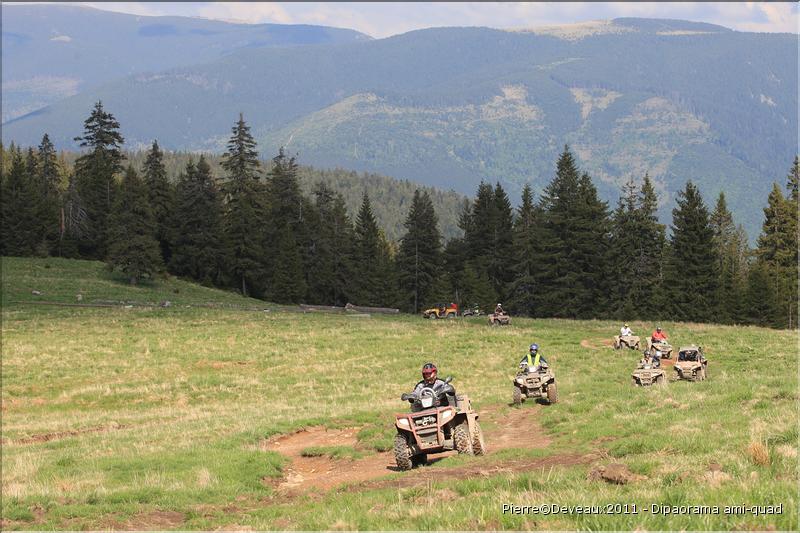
(380, 19)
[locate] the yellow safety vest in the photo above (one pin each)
(532, 362)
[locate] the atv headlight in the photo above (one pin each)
(403, 422)
(447, 414)
(520, 381)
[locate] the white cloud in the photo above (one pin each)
(251, 12)
(382, 19)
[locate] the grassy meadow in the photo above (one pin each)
(156, 418)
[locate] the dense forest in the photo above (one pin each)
(273, 231)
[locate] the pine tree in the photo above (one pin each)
(321, 271)
(571, 245)
(369, 256)
(730, 244)
(162, 198)
(244, 215)
(288, 209)
(523, 290)
(647, 284)
(590, 251)
(777, 252)
(626, 245)
(478, 225)
(288, 284)
(343, 242)
(133, 248)
(49, 185)
(96, 175)
(74, 222)
(198, 249)
(477, 289)
(21, 223)
(501, 258)
(419, 260)
(761, 305)
(690, 274)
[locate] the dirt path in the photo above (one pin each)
(510, 428)
(593, 343)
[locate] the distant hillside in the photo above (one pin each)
(391, 198)
(62, 280)
(451, 106)
(54, 51)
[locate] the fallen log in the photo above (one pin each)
(363, 309)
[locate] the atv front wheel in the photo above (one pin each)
(402, 452)
(462, 440)
(552, 393)
(517, 395)
(478, 444)
(660, 381)
(420, 459)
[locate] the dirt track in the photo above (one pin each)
(510, 428)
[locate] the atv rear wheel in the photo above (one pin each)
(462, 440)
(517, 395)
(432, 316)
(552, 393)
(478, 444)
(402, 452)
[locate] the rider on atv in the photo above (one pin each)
(533, 360)
(445, 392)
(498, 309)
(658, 335)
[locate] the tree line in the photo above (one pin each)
(253, 229)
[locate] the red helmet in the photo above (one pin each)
(429, 372)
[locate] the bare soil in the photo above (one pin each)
(515, 428)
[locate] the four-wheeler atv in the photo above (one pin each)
(499, 319)
(439, 421)
(627, 341)
(648, 372)
(691, 364)
(441, 310)
(663, 349)
(475, 310)
(539, 383)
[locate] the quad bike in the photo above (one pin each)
(539, 383)
(627, 341)
(499, 319)
(691, 364)
(439, 421)
(441, 310)
(648, 372)
(472, 311)
(663, 349)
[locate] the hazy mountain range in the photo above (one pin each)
(445, 107)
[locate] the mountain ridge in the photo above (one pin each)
(451, 106)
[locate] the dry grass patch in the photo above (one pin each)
(758, 453)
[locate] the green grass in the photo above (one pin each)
(169, 409)
(332, 452)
